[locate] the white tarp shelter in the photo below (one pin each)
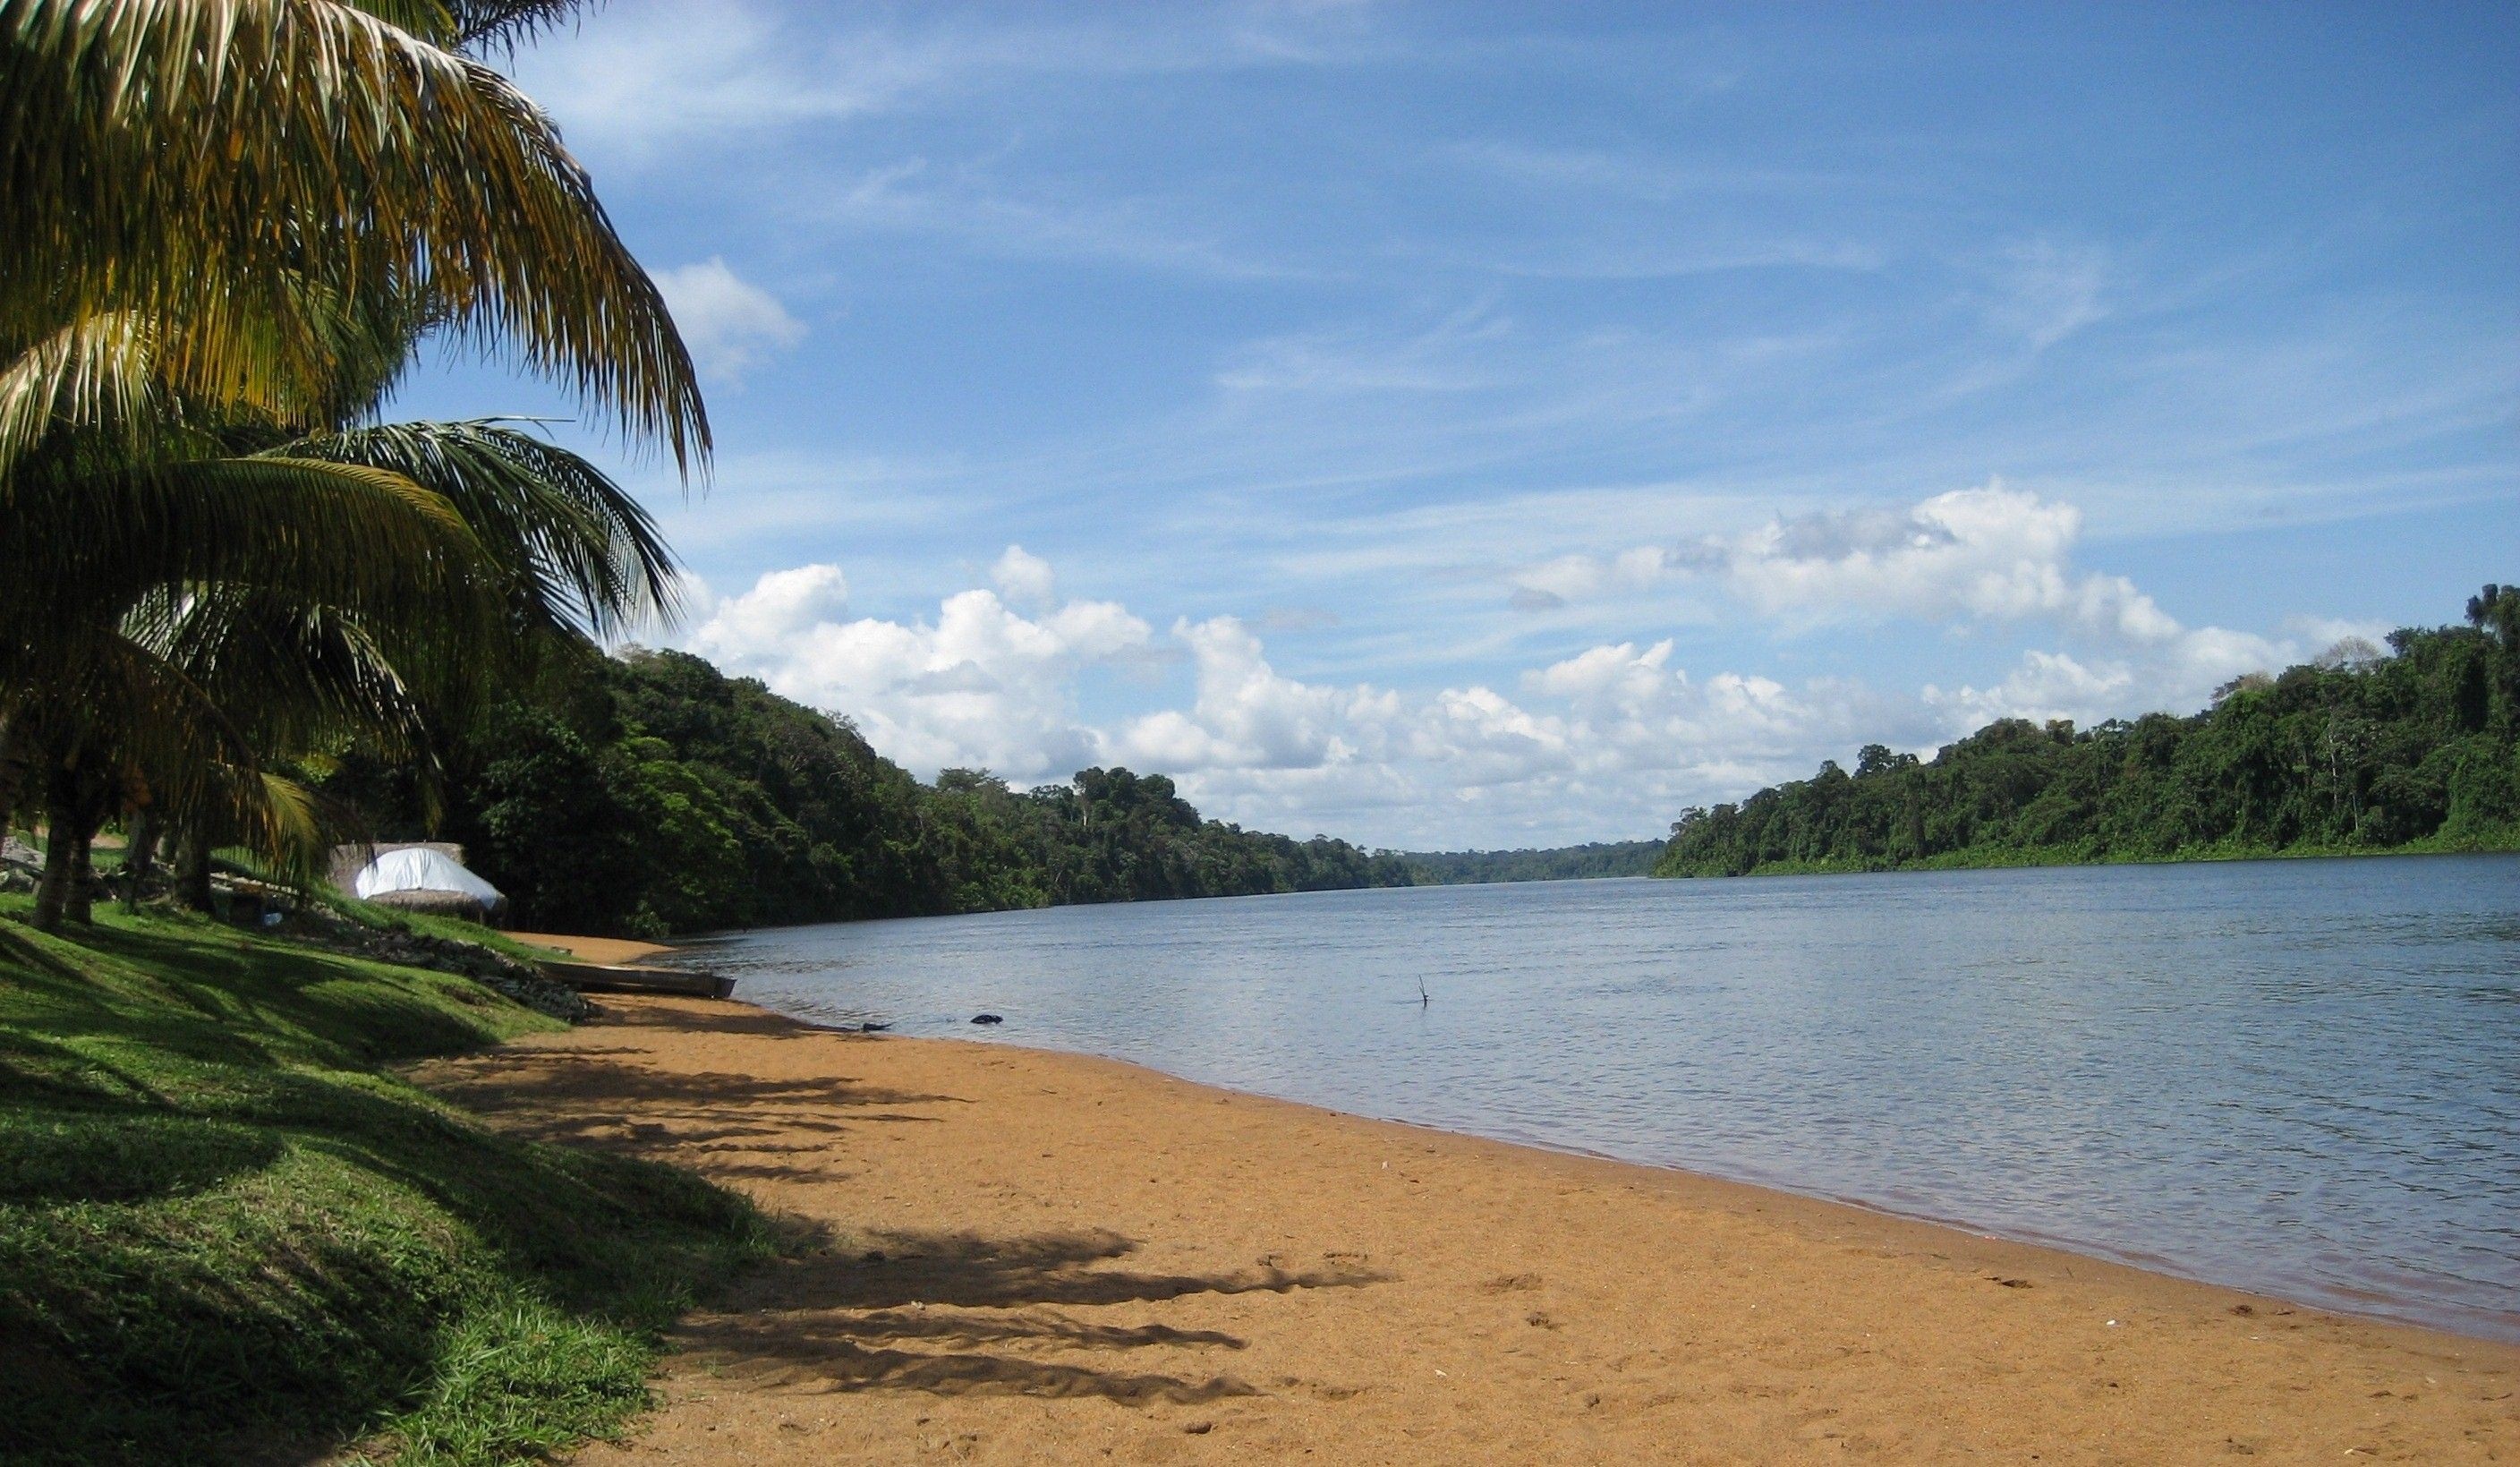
(417, 868)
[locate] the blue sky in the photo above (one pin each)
(1461, 426)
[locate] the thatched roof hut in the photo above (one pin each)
(348, 861)
(421, 877)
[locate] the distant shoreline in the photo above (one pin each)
(2002, 861)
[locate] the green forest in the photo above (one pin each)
(649, 794)
(2415, 748)
(1557, 864)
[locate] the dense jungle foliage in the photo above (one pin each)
(651, 794)
(2362, 750)
(1558, 863)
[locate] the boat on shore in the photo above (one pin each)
(614, 978)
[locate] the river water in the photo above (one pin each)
(2296, 1076)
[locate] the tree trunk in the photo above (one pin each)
(193, 871)
(79, 904)
(60, 823)
(13, 769)
(139, 861)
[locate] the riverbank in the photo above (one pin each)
(1021, 1256)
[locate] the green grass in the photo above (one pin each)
(428, 925)
(226, 1229)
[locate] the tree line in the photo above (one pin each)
(649, 794)
(1555, 863)
(2362, 749)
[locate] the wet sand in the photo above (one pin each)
(1014, 1256)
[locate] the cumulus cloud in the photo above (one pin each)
(2180, 673)
(1023, 578)
(1608, 741)
(981, 685)
(730, 325)
(992, 682)
(781, 605)
(1468, 762)
(1990, 553)
(1248, 715)
(1986, 554)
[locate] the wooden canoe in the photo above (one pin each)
(604, 978)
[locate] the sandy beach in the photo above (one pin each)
(1014, 1256)
(628, 951)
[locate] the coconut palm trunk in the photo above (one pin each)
(76, 797)
(193, 870)
(13, 770)
(78, 903)
(140, 857)
(52, 893)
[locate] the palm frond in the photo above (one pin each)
(342, 149)
(88, 549)
(290, 674)
(100, 373)
(496, 24)
(579, 553)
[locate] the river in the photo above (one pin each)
(2296, 1076)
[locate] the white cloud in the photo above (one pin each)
(1246, 716)
(1035, 218)
(1582, 578)
(2323, 632)
(986, 684)
(730, 325)
(980, 685)
(2045, 685)
(1985, 555)
(1610, 741)
(781, 605)
(1024, 578)
(1990, 553)
(2178, 674)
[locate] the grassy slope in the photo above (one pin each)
(223, 1228)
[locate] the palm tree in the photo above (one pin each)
(210, 556)
(331, 586)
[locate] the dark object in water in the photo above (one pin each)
(872, 1029)
(986, 1019)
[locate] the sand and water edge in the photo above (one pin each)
(1021, 1256)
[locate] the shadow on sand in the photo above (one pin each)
(988, 1307)
(945, 1312)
